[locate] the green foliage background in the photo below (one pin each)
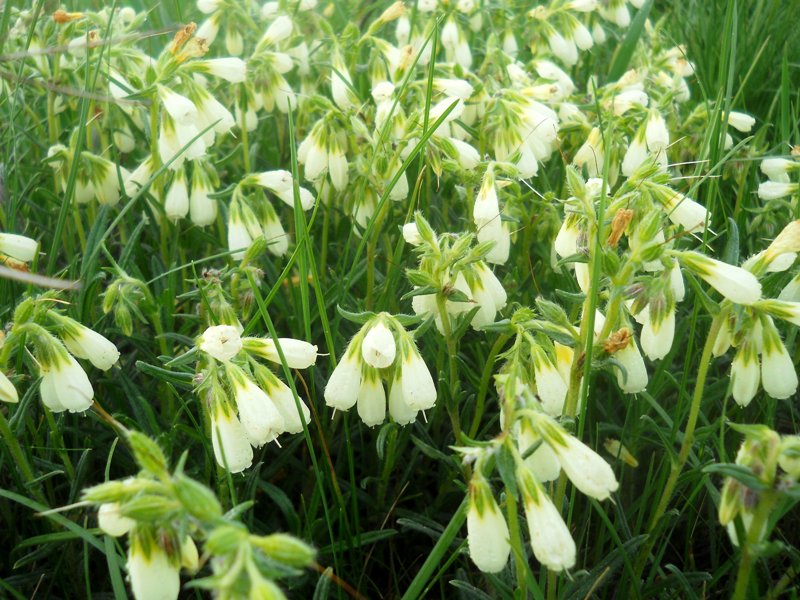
(374, 501)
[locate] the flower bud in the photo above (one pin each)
(8, 393)
(198, 500)
(111, 521)
(285, 549)
(789, 458)
(190, 559)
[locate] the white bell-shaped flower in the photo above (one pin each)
(221, 342)
(371, 402)
(257, 413)
(8, 393)
(229, 440)
(18, 247)
(87, 344)
(298, 353)
(154, 575)
(378, 349)
(65, 385)
(415, 381)
(487, 531)
(344, 384)
(745, 373)
(551, 540)
(736, 284)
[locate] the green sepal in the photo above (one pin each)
(355, 317)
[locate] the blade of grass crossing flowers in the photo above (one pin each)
(307, 255)
(306, 264)
(38, 507)
(318, 471)
(622, 57)
(115, 566)
(301, 232)
(385, 197)
(419, 584)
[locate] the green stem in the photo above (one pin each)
(245, 146)
(515, 537)
(686, 446)
(418, 585)
(452, 356)
(326, 223)
(480, 401)
(760, 516)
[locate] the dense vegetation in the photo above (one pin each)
(427, 299)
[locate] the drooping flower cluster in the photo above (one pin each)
(550, 448)
(482, 117)
(56, 341)
(771, 464)
(164, 512)
(779, 172)
(746, 320)
(382, 350)
(251, 215)
(248, 405)
(453, 280)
